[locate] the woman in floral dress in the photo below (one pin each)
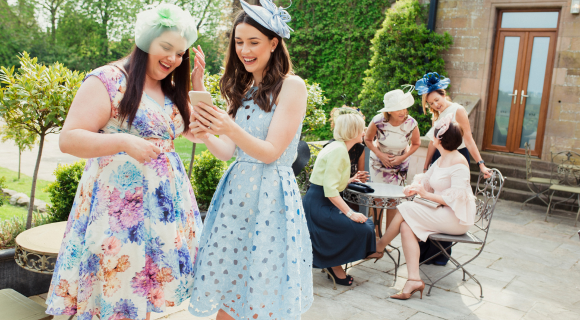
(132, 235)
(388, 137)
(255, 254)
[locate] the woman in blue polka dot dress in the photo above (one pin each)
(255, 254)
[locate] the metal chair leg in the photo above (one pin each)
(331, 277)
(396, 263)
(549, 206)
(578, 214)
(458, 266)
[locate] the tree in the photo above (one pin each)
(403, 51)
(22, 138)
(37, 99)
(52, 6)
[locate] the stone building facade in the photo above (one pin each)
(472, 65)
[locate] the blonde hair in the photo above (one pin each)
(348, 126)
(426, 106)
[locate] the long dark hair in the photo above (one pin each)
(236, 81)
(175, 86)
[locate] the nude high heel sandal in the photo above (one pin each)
(404, 296)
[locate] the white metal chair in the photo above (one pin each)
(487, 193)
(538, 186)
(566, 170)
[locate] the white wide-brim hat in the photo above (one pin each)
(396, 100)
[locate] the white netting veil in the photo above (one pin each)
(167, 21)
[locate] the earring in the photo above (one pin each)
(272, 50)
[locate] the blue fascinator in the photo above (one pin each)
(270, 17)
(431, 82)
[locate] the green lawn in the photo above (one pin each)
(183, 148)
(24, 184)
(7, 212)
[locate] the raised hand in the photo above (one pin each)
(198, 70)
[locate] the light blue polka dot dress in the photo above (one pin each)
(255, 255)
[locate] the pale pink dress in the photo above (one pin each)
(452, 183)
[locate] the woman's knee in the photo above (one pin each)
(405, 229)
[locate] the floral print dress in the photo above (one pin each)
(394, 141)
(132, 235)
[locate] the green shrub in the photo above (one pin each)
(403, 51)
(303, 178)
(10, 229)
(331, 46)
(63, 190)
(207, 172)
(315, 101)
(2, 186)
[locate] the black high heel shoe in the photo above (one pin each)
(348, 281)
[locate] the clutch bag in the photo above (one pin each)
(360, 187)
(428, 203)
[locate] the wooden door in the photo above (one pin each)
(520, 87)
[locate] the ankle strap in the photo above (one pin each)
(414, 280)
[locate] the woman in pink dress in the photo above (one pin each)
(447, 183)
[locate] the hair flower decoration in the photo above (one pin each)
(443, 124)
(430, 82)
(270, 17)
(153, 22)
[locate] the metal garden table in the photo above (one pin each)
(386, 196)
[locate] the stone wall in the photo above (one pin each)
(472, 23)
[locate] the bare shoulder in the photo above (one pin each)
(293, 90)
(293, 83)
(458, 158)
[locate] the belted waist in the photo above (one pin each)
(166, 145)
(251, 160)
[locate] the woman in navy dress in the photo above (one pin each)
(339, 234)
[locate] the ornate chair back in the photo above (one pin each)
(566, 168)
(487, 193)
(528, 161)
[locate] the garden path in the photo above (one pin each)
(51, 157)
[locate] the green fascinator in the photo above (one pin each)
(165, 17)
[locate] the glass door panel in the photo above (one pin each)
(505, 95)
(534, 92)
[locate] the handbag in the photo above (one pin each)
(360, 187)
(426, 202)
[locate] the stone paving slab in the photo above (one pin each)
(529, 269)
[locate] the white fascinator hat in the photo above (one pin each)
(396, 100)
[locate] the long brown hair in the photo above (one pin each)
(236, 81)
(435, 113)
(175, 86)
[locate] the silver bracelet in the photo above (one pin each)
(349, 213)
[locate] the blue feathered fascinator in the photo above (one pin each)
(270, 17)
(430, 82)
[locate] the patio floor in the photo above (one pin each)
(530, 269)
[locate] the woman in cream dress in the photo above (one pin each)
(447, 182)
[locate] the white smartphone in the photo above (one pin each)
(196, 96)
